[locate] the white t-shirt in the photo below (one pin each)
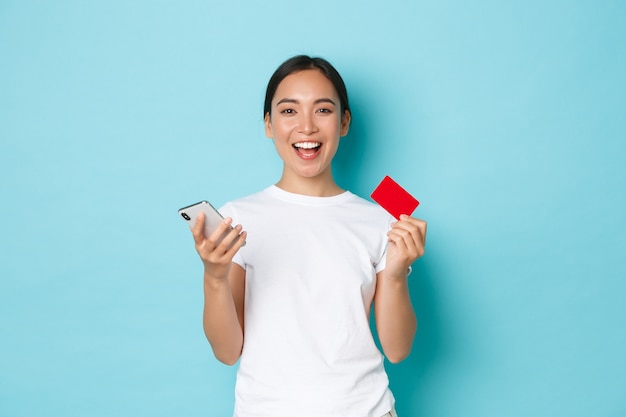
(311, 265)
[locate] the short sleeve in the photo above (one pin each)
(382, 260)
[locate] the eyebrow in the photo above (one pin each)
(318, 101)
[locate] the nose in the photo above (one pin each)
(307, 123)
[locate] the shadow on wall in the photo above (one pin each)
(408, 377)
(349, 162)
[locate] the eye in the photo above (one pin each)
(287, 111)
(325, 110)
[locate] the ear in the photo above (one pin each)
(345, 123)
(268, 126)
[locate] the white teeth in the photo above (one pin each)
(307, 145)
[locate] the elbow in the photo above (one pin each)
(226, 351)
(227, 359)
(396, 353)
(398, 349)
(228, 355)
(397, 357)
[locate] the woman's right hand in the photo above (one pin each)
(217, 258)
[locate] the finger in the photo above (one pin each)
(197, 229)
(238, 243)
(228, 239)
(421, 224)
(417, 227)
(407, 231)
(221, 230)
(403, 240)
(412, 237)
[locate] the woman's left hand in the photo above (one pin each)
(407, 239)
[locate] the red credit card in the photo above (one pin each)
(393, 198)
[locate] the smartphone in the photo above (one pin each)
(212, 218)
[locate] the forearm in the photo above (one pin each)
(395, 318)
(222, 326)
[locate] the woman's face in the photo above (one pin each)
(306, 124)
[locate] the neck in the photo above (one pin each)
(321, 186)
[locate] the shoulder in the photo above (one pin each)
(249, 202)
(368, 208)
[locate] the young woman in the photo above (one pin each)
(293, 303)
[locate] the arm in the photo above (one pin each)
(395, 319)
(223, 314)
(224, 284)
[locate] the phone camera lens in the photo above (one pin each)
(185, 216)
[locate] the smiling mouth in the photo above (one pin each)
(307, 149)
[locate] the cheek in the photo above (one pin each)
(284, 126)
(337, 127)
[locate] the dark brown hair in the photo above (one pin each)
(301, 63)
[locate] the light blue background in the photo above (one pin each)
(506, 119)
